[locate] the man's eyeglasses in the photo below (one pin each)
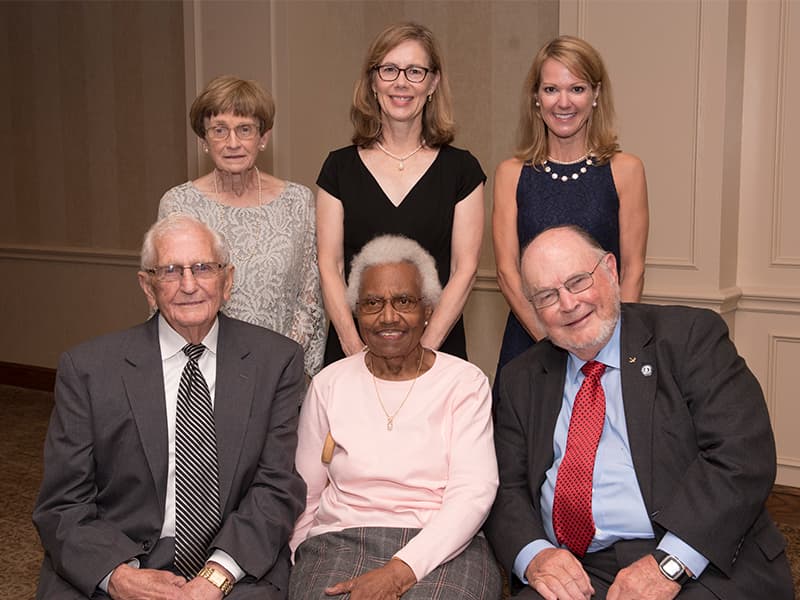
(245, 131)
(374, 304)
(390, 72)
(199, 270)
(580, 282)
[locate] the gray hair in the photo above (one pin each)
(180, 222)
(393, 249)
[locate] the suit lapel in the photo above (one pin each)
(143, 378)
(639, 383)
(547, 390)
(232, 403)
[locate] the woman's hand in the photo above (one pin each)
(506, 246)
(388, 582)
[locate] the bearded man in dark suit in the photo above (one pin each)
(634, 446)
(119, 508)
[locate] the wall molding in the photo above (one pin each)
(778, 158)
(69, 254)
(773, 401)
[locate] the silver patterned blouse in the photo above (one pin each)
(273, 247)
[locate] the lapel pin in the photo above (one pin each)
(647, 370)
(631, 359)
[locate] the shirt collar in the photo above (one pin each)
(608, 355)
(172, 342)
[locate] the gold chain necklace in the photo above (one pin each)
(390, 418)
(400, 159)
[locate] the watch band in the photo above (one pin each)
(671, 567)
(217, 578)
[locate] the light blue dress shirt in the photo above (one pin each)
(617, 505)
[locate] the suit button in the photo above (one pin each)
(146, 545)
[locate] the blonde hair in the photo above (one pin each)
(584, 62)
(438, 126)
(227, 93)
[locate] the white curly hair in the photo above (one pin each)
(393, 249)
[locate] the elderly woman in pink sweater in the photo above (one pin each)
(395, 444)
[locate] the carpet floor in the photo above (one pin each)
(22, 430)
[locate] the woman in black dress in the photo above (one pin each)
(401, 176)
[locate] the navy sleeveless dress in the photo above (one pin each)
(590, 201)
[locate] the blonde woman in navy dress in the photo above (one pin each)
(568, 169)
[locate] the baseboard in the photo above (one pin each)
(27, 376)
(786, 490)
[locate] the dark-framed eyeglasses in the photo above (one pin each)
(201, 270)
(413, 73)
(580, 282)
(374, 304)
(245, 131)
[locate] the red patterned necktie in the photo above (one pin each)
(572, 502)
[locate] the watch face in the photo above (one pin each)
(217, 578)
(672, 568)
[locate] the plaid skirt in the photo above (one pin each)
(325, 560)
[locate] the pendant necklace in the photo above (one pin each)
(390, 418)
(400, 159)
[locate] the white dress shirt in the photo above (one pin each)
(173, 361)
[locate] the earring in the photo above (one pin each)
(375, 94)
(205, 149)
(537, 104)
(426, 323)
(594, 104)
(430, 97)
(262, 147)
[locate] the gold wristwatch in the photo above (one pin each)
(217, 578)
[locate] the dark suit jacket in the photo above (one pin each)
(700, 436)
(105, 463)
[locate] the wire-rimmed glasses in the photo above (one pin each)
(580, 282)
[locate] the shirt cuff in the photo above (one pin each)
(526, 555)
(226, 561)
(691, 558)
(103, 585)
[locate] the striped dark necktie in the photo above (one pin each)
(197, 512)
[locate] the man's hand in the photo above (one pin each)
(557, 575)
(388, 582)
(129, 583)
(642, 580)
(201, 588)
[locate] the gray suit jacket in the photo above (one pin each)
(105, 464)
(701, 443)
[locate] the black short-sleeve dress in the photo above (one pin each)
(424, 215)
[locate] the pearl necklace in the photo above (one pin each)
(575, 175)
(400, 159)
(258, 179)
(390, 418)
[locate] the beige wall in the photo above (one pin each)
(96, 131)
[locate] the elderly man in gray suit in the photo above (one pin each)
(169, 458)
(634, 447)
